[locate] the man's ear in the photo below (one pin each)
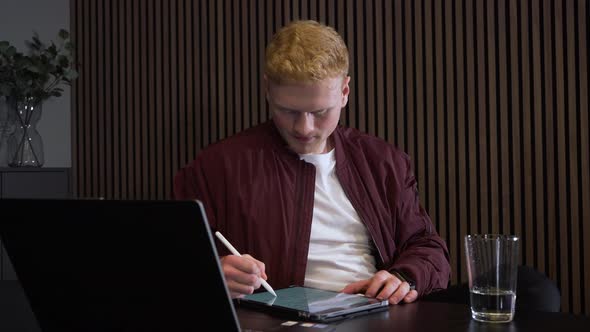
(345, 90)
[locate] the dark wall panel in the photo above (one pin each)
(489, 98)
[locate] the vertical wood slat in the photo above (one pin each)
(389, 59)
(572, 160)
(115, 111)
(100, 72)
(75, 32)
(514, 117)
(582, 68)
(149, 100)
(502, 73)
(526, 65)
(85, 100)
(442, 198)
(558, 80)
(459, 119)
(470, 95)
(450, 147)
(127, 125)
(108, 110)
(182, 99)
(549, 168)
(194, 89)
(144, 113)
(424, 113)
(419, 95)
(137, 108)
(399, 89)
(489, 99)
(159, 100)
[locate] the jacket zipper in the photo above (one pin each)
(360, 213)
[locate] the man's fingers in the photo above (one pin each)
(236, 295)
(241, 277)
(355, 287)
(238, 290)
(400, 293)
(242, 274)
(245, 264)
(411, 297)
(382, 285)
(259, 264)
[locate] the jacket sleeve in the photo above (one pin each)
(422, 254)
(190, 182)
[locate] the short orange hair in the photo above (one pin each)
(305, 51)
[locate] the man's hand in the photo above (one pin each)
(242, 274)
(383, 285)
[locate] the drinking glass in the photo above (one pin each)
(492, 266)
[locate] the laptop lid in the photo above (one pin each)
(116, 265)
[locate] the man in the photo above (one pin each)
(311, 202)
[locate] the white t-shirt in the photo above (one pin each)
(340, 249)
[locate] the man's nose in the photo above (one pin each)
(304, 124)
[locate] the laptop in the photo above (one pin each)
(116, 265)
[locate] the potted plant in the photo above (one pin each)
(26, 81)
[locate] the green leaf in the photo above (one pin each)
(41, 71)
(63, 61)
(33, 68)
(71, 74)
(31, 45)
(36, 40)
(63, 34)
(11, 51)
(52, 49)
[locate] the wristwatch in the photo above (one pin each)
(404, 277)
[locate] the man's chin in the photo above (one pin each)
(306, 149)
(301, 149)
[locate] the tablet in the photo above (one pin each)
(313, 304)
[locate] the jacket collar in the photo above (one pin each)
(280, 145)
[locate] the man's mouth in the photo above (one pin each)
(304, 139)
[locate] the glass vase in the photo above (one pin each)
(6, 130)
(25, 146)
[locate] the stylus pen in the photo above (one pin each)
(235, 252)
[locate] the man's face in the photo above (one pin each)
(306, 114)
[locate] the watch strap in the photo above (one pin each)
(404, 277)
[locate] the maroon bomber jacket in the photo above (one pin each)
(259, 194)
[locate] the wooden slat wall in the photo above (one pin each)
(490, 98)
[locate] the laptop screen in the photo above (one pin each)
(116, 265)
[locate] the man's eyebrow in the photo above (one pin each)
(285, 108)
(294, 110)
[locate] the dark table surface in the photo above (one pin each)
(425, 316)
(16, 315)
